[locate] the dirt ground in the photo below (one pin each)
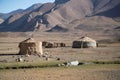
(106, 52)
(63, 73)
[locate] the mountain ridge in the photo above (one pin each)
(6, 15)
(14, 12)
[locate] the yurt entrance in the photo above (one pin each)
(80, 44)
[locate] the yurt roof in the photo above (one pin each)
(29, 40)
(86, 39)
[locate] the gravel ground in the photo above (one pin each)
(72, 73)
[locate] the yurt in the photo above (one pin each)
(30, 46)
(84, 42)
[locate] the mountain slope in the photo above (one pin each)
(33, 7)
(114, 12)
(6, 15)
(19, 11)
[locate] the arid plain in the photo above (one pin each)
(108, 50)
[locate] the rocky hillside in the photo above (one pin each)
(67, 15)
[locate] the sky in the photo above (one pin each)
(7, 6)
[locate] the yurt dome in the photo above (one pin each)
(30, 46)
(84, 42)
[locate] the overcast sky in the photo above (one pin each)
(10, 5)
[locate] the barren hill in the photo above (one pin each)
(68, 15)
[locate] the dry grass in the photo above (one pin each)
(92, 72)
(110, 52)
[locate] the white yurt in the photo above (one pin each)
(84, 42)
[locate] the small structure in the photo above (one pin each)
(30, 46)
(47, 44)
(52, 44)
(84, 42)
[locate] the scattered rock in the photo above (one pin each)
(73, 63)
(58, 59)
(19, 60)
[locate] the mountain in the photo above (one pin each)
(67, 15)
(6, 15)
(33, 7)
(109, 8)
(19, 11)
(58, 28)
(19, 21)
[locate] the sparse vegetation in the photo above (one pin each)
(84, 72)
(104, 61)
(25, 65)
